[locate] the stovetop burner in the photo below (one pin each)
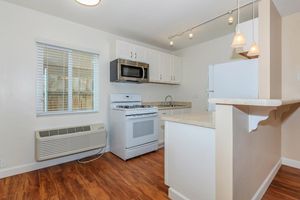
(134, 106)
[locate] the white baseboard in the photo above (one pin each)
(291, 163)
(267, 182)
(161, 144)
(174, 195)
(6, 172)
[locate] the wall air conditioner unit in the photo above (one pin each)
(55, 143)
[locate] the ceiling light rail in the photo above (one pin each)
(190, 30)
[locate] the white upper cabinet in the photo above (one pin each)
(247, 29)
(170, 68)
(130, 51)
(124, 50)
(140, 53)
(163, 67)
(153, 59)
(176, 69)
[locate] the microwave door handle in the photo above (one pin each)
(143, 73)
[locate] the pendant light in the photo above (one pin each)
(89, 2)
(239, 39)
(254, 49)
(171, 43)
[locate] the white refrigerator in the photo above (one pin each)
(238, 79)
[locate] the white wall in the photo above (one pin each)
(20, 28)
(291, 84)
(196, 60)
(244, 161)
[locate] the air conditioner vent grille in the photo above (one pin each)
(56, 143)
(64, 131)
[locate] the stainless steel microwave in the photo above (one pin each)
(122, 70)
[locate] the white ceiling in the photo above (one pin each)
(148, 21)
(287, 7)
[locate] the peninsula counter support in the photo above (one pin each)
(247, 160)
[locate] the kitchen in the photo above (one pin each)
(187, 86)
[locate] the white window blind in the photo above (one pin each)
(66, 80)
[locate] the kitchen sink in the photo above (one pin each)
(167, 106)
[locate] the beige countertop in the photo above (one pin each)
(166, 106)
(255, 102)
(204, 119)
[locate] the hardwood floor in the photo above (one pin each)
(111, 178)
(107, 178)
(285, 186)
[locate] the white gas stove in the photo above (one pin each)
(133, 126)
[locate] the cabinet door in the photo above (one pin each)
(153, 59)
(177, 70)
(140, 53)
(162, 125)
(124, 50)
(165, 66)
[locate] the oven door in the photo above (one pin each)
(141, 129)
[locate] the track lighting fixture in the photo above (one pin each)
(171, 43)
(230, 18)
(239, 40)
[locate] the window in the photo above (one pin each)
(66, 80)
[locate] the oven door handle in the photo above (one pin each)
(141, 116)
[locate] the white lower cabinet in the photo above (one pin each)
(162, 123)
(190, 161)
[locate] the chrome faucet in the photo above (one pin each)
(170, 101)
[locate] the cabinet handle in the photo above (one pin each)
(131, 54)
(135, 55)
(160, 77)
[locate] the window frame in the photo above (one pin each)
(41, 75)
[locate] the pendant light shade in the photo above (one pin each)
(254, 50)
(239, 40)
(89, 2)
